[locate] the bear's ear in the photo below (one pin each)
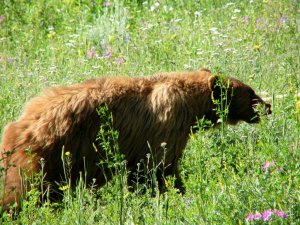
(205, 69)
(214, 85)
(212, 82)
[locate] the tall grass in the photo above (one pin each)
(229, 173)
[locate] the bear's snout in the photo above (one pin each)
(268, 109)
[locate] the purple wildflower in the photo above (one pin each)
(108, 53)
(127, 37)
(91, 53)
(2, 18)
(280, 213)
(10, 60)
(246, 19)
(107, 3)
(119, 61)
(188, 202)
(283, 20)
(259, 23)
(267, 215)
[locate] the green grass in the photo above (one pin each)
(46, 43)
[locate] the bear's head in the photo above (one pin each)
(237, 99)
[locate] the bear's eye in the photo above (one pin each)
(251, 93)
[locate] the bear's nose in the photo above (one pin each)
(268, 108)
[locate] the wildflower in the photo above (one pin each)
(165, 8)
(10, 60)
(102, 45)
(127, 37)
(152, 8)
(293, 147)
(155, 6)
(267, 215)
(250, 217)
(197, 14)
(259, 23)
(63, 188)
(51, 34)
(107, 54)
(254, 216)
(91, 53)
(163, 144)
(280, 213)
(2, 18)
(297, 105)
(119, 61)
(283, 20)
(257, 216)
(279, 169)
(246, 19)
(256, 47)
(188, 203)
(267, 164)
(68, 153)
(107, 4)
(79, 52)
(126, 195)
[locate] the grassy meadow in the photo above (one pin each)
(243, 174)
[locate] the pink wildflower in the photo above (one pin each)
(280, 213)
(267, 164)
(257, 216)
(250, 217)
(254, 216)
(91, 53)
(267, 214)
(107, 3)
(119, 61)
(2, 18)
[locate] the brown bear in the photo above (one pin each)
(146, 111)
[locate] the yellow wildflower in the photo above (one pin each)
(51, 34)
(68, 153)
(111, 38)
(63, 188)
(256, 47)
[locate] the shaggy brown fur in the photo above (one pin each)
(146, 112)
